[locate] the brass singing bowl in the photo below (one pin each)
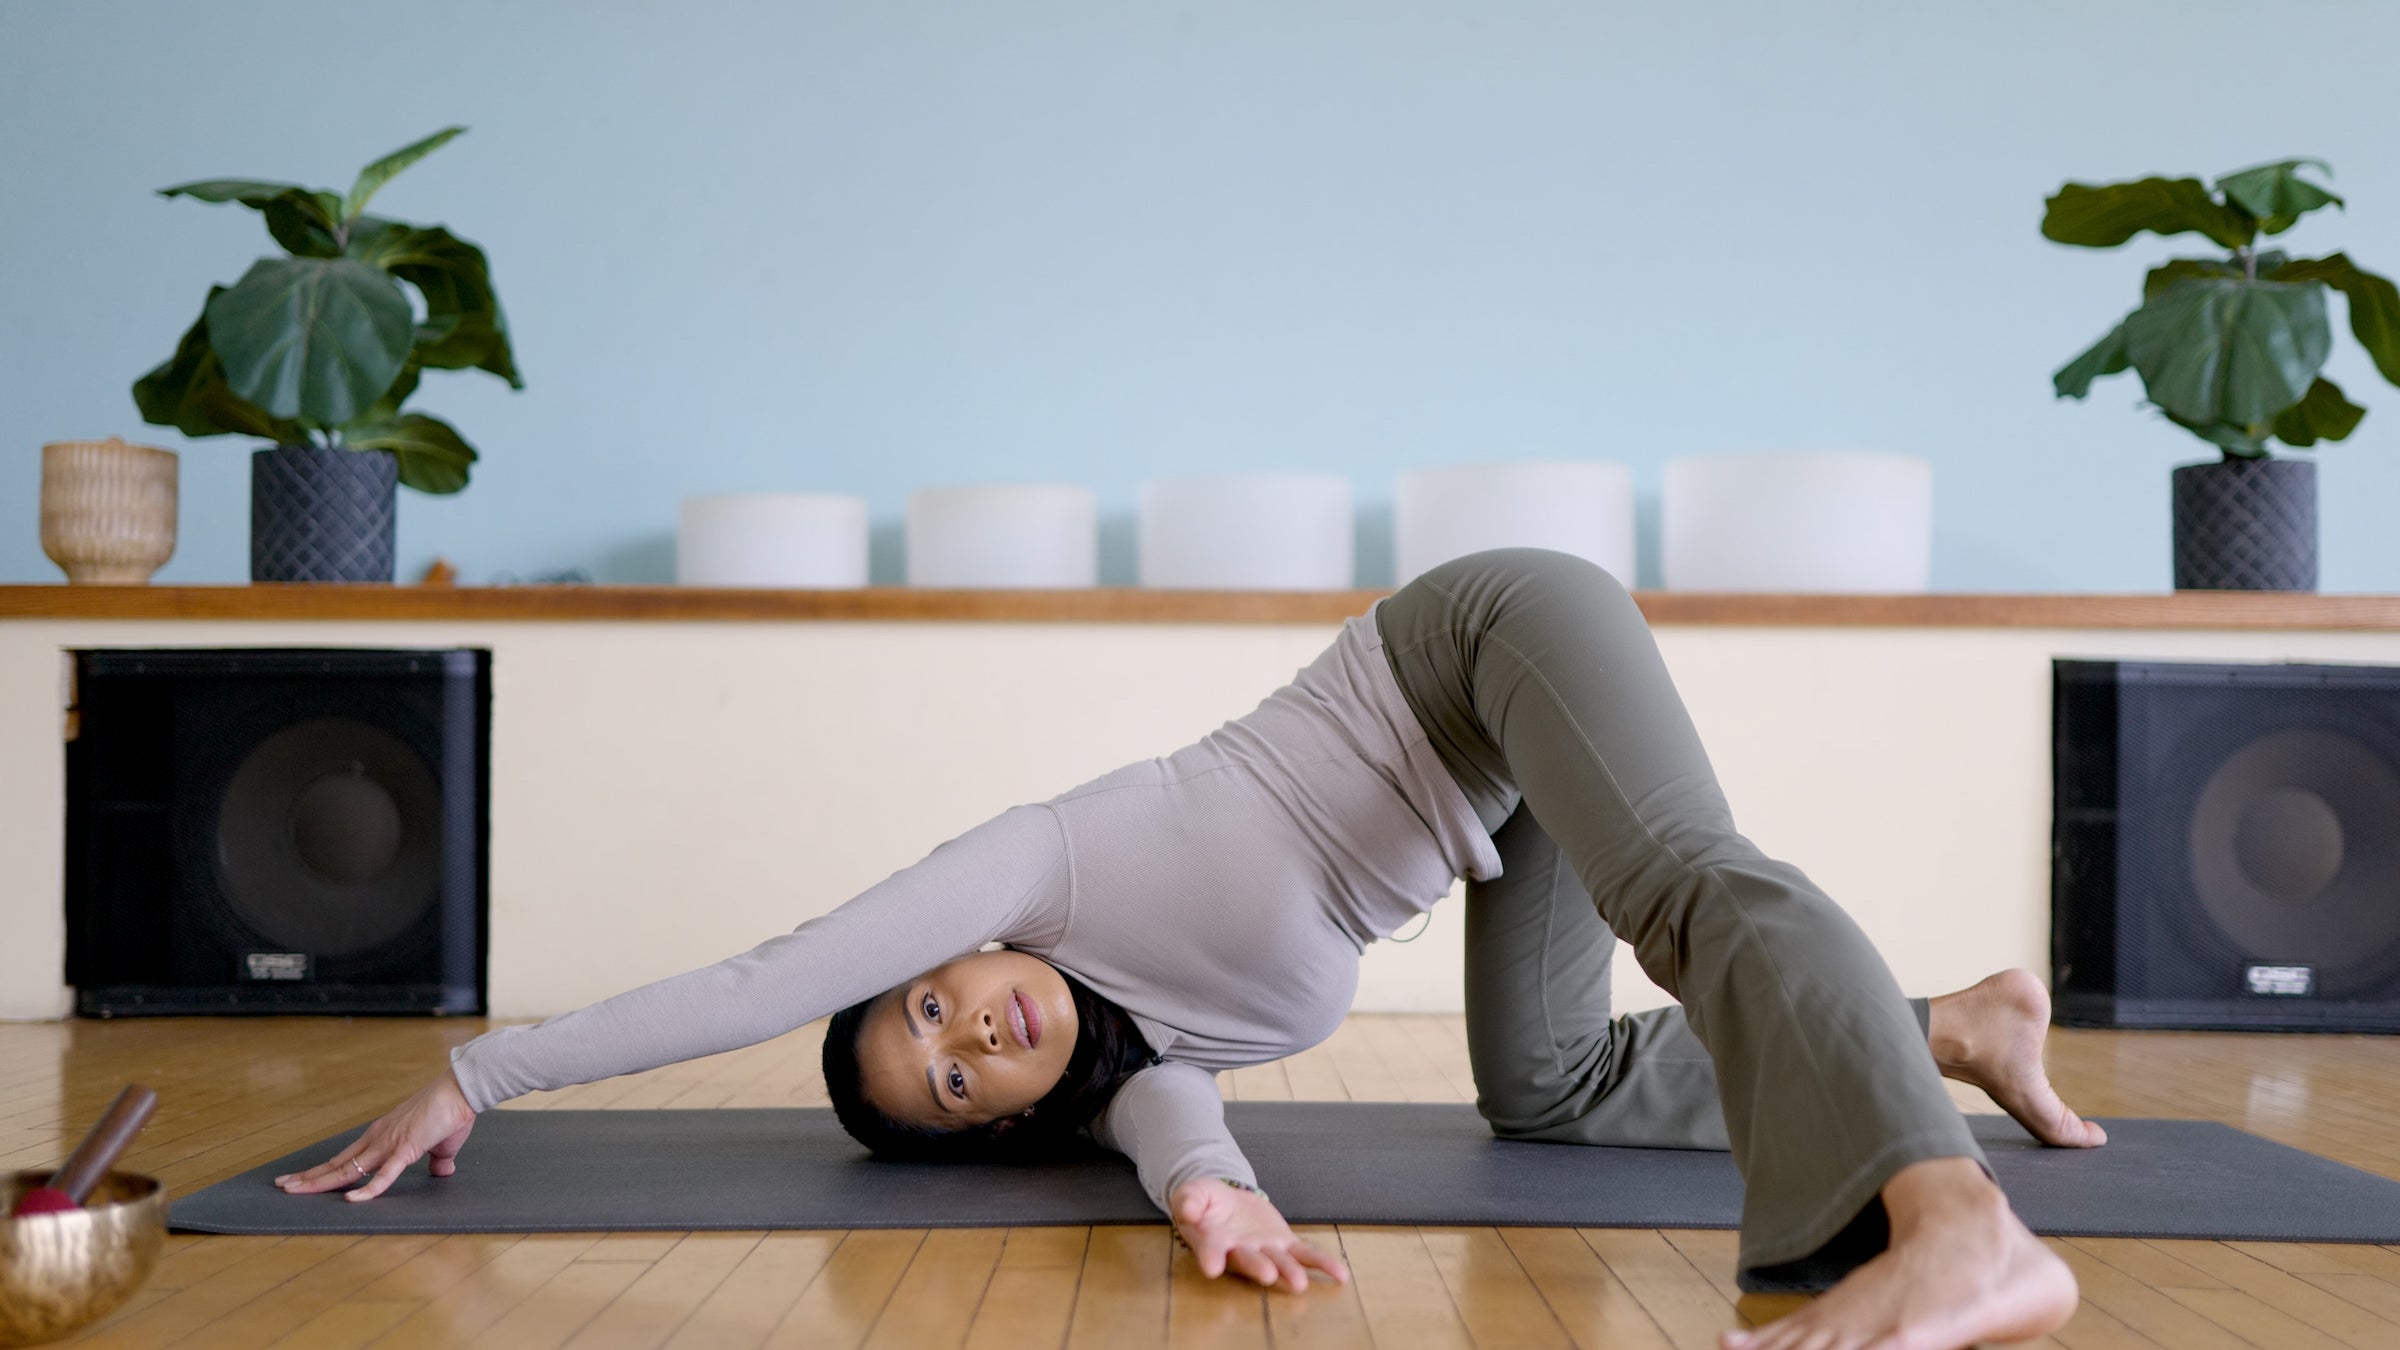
(59, 1273)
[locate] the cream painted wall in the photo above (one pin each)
(666, 794)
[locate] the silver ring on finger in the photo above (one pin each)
(363, 1173)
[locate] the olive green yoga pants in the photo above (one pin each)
(1540, 685)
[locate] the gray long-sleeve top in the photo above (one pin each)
(1221, 895)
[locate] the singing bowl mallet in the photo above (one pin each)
(72, 1183)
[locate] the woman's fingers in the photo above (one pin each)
(443, 1158)
(368, 1166)
(1271, 1262)
(1322, 1260)
(1241, 1235)
(328, 1174)
(349, 1171)
(1212, 1253)
(334, 1166)
(384, 1176)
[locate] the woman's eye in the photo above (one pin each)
(932, 1009)
(958, 1083)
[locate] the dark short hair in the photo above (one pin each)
(1108, 1050)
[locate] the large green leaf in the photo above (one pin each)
(304, 220)
(2176, 269)
(2249, 441)
(2181, 269)
(464, 326)
(433, 457)
(248, 191)
(2105, 357)
(320, 207)
(295, 220)
(2276, 193)
(2321, 415)
(2226, 350)
(2374, 304)
(2110, 214)
(384, 170)
(188, 392)
(387, 407)
(314, 338)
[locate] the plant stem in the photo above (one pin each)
(2249, 264)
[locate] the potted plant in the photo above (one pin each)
(2229, 349)
(316, 351)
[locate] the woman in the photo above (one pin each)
(1505, 718)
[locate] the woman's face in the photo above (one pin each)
(979, 1038)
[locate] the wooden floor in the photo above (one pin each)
(235, 1093)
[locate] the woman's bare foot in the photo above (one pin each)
(1990, 1036)
(1961, 1269)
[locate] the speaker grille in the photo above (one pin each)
(2255, 811)
(2265, 827)
(278, 829)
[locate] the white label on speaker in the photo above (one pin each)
(2283, 981)
(276, 965)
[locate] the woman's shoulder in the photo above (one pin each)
(1142, 773)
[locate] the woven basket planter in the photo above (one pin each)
(108, 510)
(322, 515)
(2246, 525)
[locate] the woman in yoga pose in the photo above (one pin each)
(1506, 718)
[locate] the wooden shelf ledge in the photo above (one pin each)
(1126, 604)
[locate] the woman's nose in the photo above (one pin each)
(991, 1031)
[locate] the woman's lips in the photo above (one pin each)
(1028, 1021)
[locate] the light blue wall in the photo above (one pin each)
(889, 244)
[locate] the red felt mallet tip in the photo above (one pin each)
(43, 1200)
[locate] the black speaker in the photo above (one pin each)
(2225, 846)
(280, 830)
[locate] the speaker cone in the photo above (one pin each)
(2294, 852)
(328, 837)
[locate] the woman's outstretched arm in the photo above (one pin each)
(1170, 1120)
(1006, 879)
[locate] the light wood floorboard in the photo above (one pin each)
(237, 1092)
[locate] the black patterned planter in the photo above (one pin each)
(2246, 525)
(321, 515)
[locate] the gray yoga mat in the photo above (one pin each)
(1323, 1162)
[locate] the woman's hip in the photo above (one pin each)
(1467, 636)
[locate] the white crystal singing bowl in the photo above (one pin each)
(1248, 531)
(801, 540)
(1005, 535)
(1578, 506)
(1858, 521)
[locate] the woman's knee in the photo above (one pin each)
(1541, 566)
(1532, 596)
(1517, 1107)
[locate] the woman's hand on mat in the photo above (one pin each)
(433, 1124)
(1229, 1229)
